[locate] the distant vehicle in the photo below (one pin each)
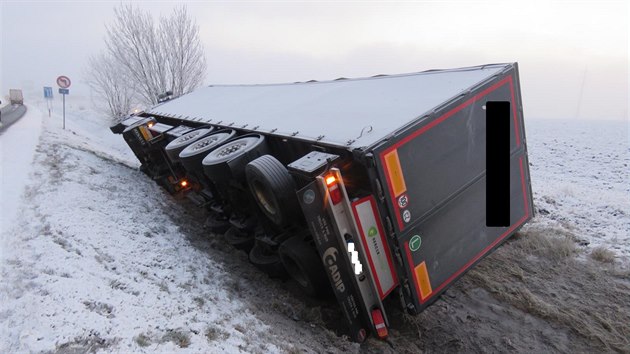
(165, 96)
(15, 95)
(368, 188)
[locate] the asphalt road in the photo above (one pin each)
(10, 114)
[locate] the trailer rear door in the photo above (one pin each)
(434, 177)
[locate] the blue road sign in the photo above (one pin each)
(64, 91)
(48, 92)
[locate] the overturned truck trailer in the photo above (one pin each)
(366, 188)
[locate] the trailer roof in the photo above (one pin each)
(345, 112)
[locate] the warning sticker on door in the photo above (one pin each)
(406, 216)
(403, 201)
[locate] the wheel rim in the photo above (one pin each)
(187, 138)
(204, 143)
(263, 197)
(231, 150)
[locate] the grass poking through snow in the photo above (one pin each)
(602, 254)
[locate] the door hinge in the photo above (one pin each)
(379, 190)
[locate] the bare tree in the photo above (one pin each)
(184, 51)
(167, 57)
(110, 84)
(132, 40)
(156, 58)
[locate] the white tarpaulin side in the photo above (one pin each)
(337, 110)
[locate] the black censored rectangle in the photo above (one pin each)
(498, 163)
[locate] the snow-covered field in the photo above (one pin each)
(581, 179)
(95, 256)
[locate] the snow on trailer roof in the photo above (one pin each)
(351, 113)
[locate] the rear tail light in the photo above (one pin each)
(333, 189)
(379, 324)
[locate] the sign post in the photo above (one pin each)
(64, 82)
(48, 95)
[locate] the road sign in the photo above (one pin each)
(63, 81)
(64, 92)
(48, 93)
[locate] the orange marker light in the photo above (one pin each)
(330, 180)
(183, 183)
(150, 124)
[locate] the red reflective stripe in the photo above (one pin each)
(518, 138)
(524, 188)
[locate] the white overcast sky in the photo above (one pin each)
(573, 56)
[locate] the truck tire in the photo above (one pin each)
(264, 258)
(303, 264)
(176, 146)
(216, 223)
(239, 239)
(273, 189)
(228, 161)
(192, 155)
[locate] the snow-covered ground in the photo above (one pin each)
(97, 256)
(91, 255)
(581, 179)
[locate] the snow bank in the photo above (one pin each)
(17, 147)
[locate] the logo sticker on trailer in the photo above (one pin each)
(309, 197)
(375, 244)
